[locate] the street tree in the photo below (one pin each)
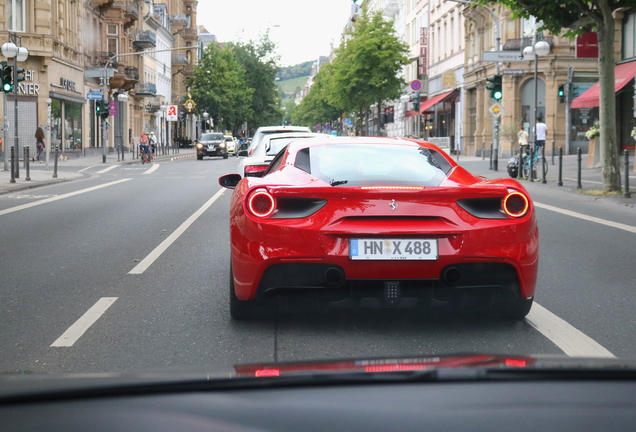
(218, 87)
(316, 108)
(367, 67)
(574, 17)
(259, 62)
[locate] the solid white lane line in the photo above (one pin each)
(154, 168)
(572, 341)
(87, 168)
(106, 169)
(74, 332)
(156, 253)
(57, 198)
(624, 227)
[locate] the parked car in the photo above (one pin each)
(378, 222)
(268, 130)
(270, 145)
(230, 144)
(211, 144)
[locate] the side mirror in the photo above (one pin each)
(230, 181)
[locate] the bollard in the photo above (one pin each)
(531, 164)
(12, 165)
(26, 163)
(490, 167)
(560, 183)
(543, 161)
(552, 152)
(578, 174)
(483, 150)
(520, 165)
(495, 165)
(627, 194)
(55, 163)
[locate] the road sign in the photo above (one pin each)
(97, 73)
(94, 96)
(496, 110)
(97, 90)
(416, 85)
(173, 113)
(502, 56)
(513, 72)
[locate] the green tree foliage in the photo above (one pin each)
(260, 65)
(219, 87)
(299, 70)
(316, 108)
(575, 17)
(367, 66)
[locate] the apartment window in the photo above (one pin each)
(629, 35)
(452, 35)
(528, 26)
(472, 114)
(445, 39)
(413, 32)
(112, 29)
(16, 15)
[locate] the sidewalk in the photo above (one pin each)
(591, 178)
(68, 170)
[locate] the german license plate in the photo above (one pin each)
(393, 249)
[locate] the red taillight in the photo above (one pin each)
(261, 203)
(255, 170)
(516, 205)
(267, 372)
(516, 363)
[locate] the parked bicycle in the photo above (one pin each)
(526, 163)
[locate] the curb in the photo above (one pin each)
(39, 184)
(183, 157)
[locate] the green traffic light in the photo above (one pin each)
(497, 95)
(7, 87)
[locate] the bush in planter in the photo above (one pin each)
(594, 131)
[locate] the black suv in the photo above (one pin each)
(211, 144)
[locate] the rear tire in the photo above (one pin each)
(516, 309)
(199, 157)
(246, 309)
(225, 155)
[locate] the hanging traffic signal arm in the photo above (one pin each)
(495, 87)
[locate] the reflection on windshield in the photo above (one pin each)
(211, 137)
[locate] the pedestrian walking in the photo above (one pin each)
(143, 142)
(152, 140)
(39, 138)
(540, 131)
(522, 135)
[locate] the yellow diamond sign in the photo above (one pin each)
(496, 110)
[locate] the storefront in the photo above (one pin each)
(67, 107)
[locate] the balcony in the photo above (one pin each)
(179, 59)
(100, 3)
(178, 21)
(390, 8)
(190, 33)
(520, 43)
(153, 105)
(131, 75)
(146, 89)
(144, 39)
(131, 13)
(98, 59)
(188, 71)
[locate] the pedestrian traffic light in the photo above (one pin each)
(495, 87)
(101, 109)
(561, 93)
(7, 78)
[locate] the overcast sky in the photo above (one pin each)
(306, 27)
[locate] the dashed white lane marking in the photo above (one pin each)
(572, 341)
(106, 169)
(74, 332)
(87, 168)
(624, 227)
(152, 169)
(68, 195)
(156, 253)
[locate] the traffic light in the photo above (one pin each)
(21, 74)
(495, 87)
(7, 78)
(416, 102)
(561, 93)
(101, 109)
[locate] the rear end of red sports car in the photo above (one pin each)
(379, 223)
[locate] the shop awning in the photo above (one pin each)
(624, 73)
(429, 103)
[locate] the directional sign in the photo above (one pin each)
(502, 56)
(496, 110)
(172, 113)
(513, 72)
(97, 90)
(94, 96)
(416, 85)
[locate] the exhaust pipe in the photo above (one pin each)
(334, 276)
(451, 275)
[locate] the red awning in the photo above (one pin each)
(624, 73)
(411, 113)
(428, 104)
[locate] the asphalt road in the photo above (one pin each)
(69, 256)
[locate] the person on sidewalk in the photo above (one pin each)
(522, 136)
(152, 140)
(541, 131)
(39, 138)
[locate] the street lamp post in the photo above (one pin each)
(12, 49)
(48, 131)
(205, 116)
(163, 109)
(536, 50)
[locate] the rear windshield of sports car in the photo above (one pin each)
(374, 165)
(212, 137)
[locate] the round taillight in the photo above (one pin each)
(261, 203)
(516, 205)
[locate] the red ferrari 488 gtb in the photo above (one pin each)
(378, 222)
